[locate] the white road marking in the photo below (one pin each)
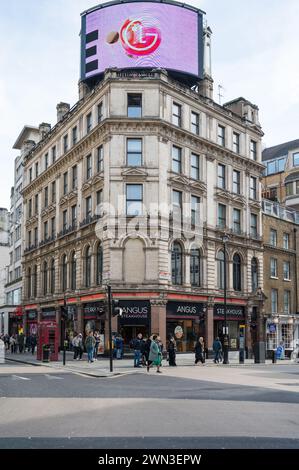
(20, 378)
(53, 377)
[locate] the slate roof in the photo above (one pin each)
(280, 150)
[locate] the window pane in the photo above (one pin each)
(134, 105)
(176, 159)
(195, 123)
(134, 145)
(177, 198)
(281, 164)
(176, 114)
(296, 158)
(134, 192)
(221, 176)
(134, 153)
(271, 167)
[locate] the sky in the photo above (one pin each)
(254, 55)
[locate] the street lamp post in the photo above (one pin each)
(225, 329)
(110, 325)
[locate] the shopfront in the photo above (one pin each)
(135, 319)
(31, 322)
(185, 322)
(94, 318)
(68, 322)
(15, 322)
(235, 316)
(281, 329)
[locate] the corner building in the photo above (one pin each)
(98, 154)
(138, 159)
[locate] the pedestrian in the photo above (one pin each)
(13, 344)
(280, 351)
(147, 348)
(78, 347)
(6, 341)
(21, 340)
(119, 345)
(27, 343)
(96, 348)
(199, 350)
(137, 342)
(217, 348)
(90, 344)
(155, 355)
(171, 351)
(33, 343)
(144, 352)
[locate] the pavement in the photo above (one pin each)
(101, 367)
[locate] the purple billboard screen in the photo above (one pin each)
(142, 35)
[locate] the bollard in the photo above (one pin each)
(274, 357)
(241, 356)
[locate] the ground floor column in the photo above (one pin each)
(248, 336)
(209, 325)
(158, 319)
(79, 322)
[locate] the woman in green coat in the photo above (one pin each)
(155, 356)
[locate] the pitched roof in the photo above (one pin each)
(280, 150)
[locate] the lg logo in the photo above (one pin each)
(138, 39)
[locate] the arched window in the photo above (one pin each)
(73, 271)
(254, 275)
(177, 264)
(88, 267)
(52, 277)
(195, 268)
(45, 277)
(35, 281)
(29, 283)
(237, 282)
(220, 269)
(64, 273)
(99, 265)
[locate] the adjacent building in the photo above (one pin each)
(13, 284)
(280, 276)
(136, 185)
(281, 177)
(4, 261)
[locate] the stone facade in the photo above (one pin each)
(73, 246)
(12, 308)
(280, 278)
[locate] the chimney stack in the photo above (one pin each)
(28, 146)
(44, 129)
(62, 110)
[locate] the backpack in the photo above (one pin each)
(132, 343)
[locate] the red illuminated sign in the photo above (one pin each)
(138, 39)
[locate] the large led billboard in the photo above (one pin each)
(142, 34)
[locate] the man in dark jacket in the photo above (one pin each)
(217, 348)
(137, 345)
(33, 343)
(21, 340)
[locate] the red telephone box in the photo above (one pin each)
(48, 334)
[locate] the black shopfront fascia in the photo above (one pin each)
(31, 315)
(94, 311)
(233, 312)
(185, 310)
(135, 312)
(48, 313)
